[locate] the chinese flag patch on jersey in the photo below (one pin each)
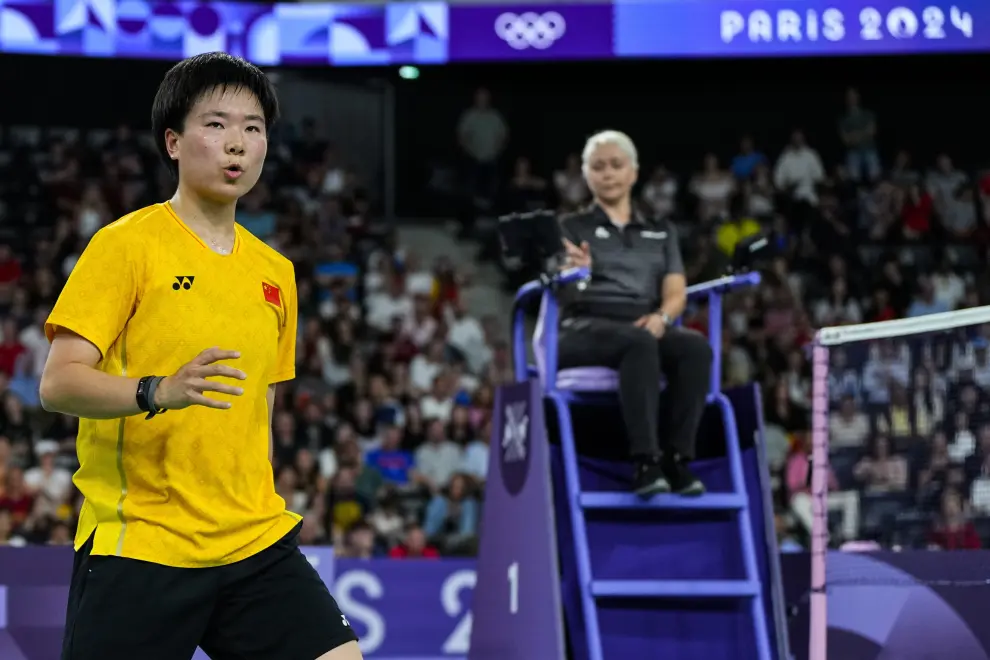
(272, 294)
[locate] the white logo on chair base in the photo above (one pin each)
(656, 235)
(601, 232)
(514, 433)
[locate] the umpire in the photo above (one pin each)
(623, 319)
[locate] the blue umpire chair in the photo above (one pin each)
(668, 577)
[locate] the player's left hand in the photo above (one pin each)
(652, 323)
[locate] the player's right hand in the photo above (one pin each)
(186, 387)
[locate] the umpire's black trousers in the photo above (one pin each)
(682, 357)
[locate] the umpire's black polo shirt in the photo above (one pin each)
(628, 264)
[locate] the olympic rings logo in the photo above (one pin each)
(530, 30)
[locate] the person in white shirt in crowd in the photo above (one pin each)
(950, 289)
(848, 427)
(439, 403)
(943, 183)
(660, 192)
(48, 482)
(839, 308)
(888, 363)
(420, 327)
(425, 367)
(799, 170)
(713, 187)
(382, 308)
(437, 459)
(419, 280)
(572, 190)
(465, 334)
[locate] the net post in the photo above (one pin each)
(818, 636)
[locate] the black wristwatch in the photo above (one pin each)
(146, 395)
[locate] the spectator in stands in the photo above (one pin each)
(437, 460)
(798, 481)
(797, 174)
(660, 193)
(746, 163)
(858, 130)
(414, 546)
(16, 497)
(482, 134)
(839, 308)
(452, 511)
(47, 481)
(925, 301)
(712, 187)
(569, 183)
(949, 288)
(882, 472)
(943, 184)
(360, 542)
(849, 427)
(526, 191)
(917, 211)
(393, 462)
(953, 530)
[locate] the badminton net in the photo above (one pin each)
(900, 443)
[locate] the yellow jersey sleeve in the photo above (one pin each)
(100, 295)
(284, 367)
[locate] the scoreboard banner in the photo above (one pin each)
(341, 34)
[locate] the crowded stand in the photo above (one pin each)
(381, 442)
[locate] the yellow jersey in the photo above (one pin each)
(192, 487)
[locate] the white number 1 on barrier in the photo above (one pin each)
(513, 575)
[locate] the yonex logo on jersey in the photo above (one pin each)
(183, 282)
(343, 619)
(529, 29)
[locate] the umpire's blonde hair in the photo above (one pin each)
(618, 138)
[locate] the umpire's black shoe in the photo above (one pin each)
(649, 479)
(679, 476)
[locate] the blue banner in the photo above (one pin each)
(412, 609)
(320, 34)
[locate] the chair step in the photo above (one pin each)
(675, 588)
(706, 502)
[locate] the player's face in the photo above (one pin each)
(610, 174)
(222, 148)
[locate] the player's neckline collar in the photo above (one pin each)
(237, 233)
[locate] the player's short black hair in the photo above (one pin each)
(193, 77)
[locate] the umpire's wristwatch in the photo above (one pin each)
(667, 321)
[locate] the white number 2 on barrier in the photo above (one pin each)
(513, 576)
(450, 597)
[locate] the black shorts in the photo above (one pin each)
(272, 606)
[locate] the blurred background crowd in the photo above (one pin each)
(382, 439)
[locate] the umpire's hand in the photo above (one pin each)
(577, 257)
(186, 386)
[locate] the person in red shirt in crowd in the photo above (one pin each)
(414, 546)
(11, 349)
(953, 531)
(16, 498)
(882, 309)
(10, 266)
(916, 214)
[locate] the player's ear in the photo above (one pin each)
(172, 143)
